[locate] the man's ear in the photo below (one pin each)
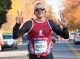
(45, 11)
(34, 12)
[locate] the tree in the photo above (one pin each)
(72, 13)
(5, 5)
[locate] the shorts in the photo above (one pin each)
(49, 56)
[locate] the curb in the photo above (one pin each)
(13, 53)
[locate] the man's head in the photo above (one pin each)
(39, 10)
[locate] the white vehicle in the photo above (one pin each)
(77, 37)
(9, 42)
(1, 41)
(71, 35)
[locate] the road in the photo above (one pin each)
(62, 50)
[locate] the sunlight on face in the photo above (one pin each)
(39, 10)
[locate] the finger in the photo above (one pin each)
(60, 13)
(20, 13)
(17, 12)
(61, 16)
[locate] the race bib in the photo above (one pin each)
(40, 46)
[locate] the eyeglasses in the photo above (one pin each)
(42, 9)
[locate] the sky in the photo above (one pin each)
(56, 6)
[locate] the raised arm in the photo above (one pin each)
(63, 32)
(58, 30)
(25, 28)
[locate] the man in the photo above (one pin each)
(39, 32)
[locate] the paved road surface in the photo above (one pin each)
(61, 50)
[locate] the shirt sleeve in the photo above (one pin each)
(63, 32)
(20, 32)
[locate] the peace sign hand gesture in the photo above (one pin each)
(19, 18)
(63, 21)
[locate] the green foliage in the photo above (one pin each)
(5, 5)
(2, 16)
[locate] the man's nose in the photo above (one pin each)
(40, 10)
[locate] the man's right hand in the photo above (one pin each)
(19, 18)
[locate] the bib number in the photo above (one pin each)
(40, 46)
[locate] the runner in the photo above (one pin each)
(39, 32)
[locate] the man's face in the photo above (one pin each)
(39, 10)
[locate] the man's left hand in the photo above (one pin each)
(63, 21)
